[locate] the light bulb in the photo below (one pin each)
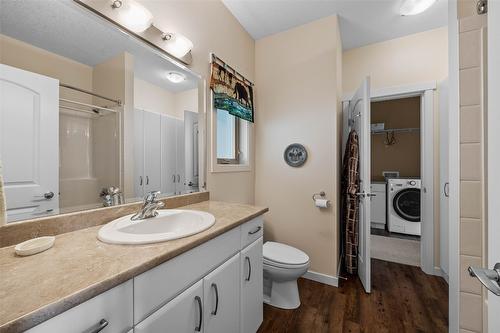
(133, 15)
(175, 77)
(177, 44)
(414, 7)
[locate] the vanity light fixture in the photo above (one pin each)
(414, 7)
(177, 44)
(133, 15)
(176, 77)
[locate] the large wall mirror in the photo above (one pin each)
(90, 116)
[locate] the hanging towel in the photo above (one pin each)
(3, 205)
(350, 217)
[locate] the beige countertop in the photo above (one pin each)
(79, 267)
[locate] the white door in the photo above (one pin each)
(359, 109)
(29, 142)
(221, 291)
(139, 153)
(152, 152)
(181, 158)
(183, 314)
(169, 154)
(444, 142)
(251, 280)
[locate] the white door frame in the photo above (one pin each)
(493, 123)
(426, 92)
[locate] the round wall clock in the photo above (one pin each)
(295, 155)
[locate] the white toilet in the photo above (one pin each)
(283, 265)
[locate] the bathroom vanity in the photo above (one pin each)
(209, 282)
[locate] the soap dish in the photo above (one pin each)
(34, 246)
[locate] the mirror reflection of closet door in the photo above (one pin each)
(152, 152)
(169, 143)
(139, 153)
(180, 158)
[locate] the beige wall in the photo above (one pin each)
(404, 154)
(212, 28)
(150, 97)
(413, 59)
(297, 102)
(417, 58)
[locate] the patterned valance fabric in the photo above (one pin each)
(231, 93)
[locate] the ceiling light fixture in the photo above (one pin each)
(414, 7)
(177, 44)
(176, 77)
(133, 15)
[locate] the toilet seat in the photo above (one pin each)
(283, 256)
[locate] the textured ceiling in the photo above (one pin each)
(362, 22)
(64, 28)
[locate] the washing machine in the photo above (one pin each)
(403, 205)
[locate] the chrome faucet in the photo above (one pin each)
(149, 207)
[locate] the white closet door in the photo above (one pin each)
(152, 152)
(29, 142)
(180, 160)
(169, 139)
(139, 153)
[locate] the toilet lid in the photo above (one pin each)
(284, 254)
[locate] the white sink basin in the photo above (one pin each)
(168, 225)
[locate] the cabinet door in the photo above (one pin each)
(138, 153)
(183, 314)
(180, 160)
(169, 154)
(221, 289)
(152, 152)
(251, 277)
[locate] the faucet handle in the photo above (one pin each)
(151, 196)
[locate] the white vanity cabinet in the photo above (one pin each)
(216, 287)
(251, 314)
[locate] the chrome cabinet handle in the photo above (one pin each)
(255, 231)
(46, 195)
(365, 194)
(178, 178)
(140, 180)
(446, 189)
(147, 180)
(200, 320)
(214, 312)
(490, 278)
(173, 178)
(249, 269)
(102, 324)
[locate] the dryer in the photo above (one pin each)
(403, 205)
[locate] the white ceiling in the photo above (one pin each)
(362, 22)
(64, 28)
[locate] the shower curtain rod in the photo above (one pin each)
(117, 101)
(79, 110)
(87, 105)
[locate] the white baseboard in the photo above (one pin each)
(322, 278)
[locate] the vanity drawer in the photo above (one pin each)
(251, 231)
(114, 306)
(159, 285)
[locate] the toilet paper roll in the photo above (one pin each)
(321, 203)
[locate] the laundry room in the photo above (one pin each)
(396, 180)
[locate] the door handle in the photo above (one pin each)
(249, 269)
(178, 178)
(102, 324)
(140, 180)
(46, 195)
(365, 194)
(214, 312)
(147, 180)
(251, 232)
(200, 318)
(490, 278)
(173, 178)
(446, 189)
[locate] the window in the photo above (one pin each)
(227, 138)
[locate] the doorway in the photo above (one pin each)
(357, 115)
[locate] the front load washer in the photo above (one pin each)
(403, 205)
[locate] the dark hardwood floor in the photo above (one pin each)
(403, 299)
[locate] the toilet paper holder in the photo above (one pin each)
(322, 194)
